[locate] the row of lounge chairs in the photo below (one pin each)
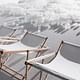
(17, 58)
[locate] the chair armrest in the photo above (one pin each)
(52, 72)
(2, 40)
(21, 51)
(40, 49)
(34, 60)
(10, 38)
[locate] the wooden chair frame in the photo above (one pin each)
(3, 66)
(24, 77)
(9, 38)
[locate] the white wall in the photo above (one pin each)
(8, 1)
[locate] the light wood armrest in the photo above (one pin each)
(34, 60)
(21, 51)
(14, 52)
(1, 40)
(10, 38)
(41, 49)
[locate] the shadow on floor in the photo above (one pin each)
(4, 76)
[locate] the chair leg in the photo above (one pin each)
(0, 42)
(0, 61)
(40, 75)
(23, 78)
(46, 76)
(41, 71)
(1, 52)
(26, 72)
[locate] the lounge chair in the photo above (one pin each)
(30, 46)
(65, 64)
(8, 34)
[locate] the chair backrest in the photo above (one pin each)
(33, 40)
(4, 31)
(70, 51)
(30, 27)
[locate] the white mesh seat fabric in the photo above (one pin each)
(66, 63)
